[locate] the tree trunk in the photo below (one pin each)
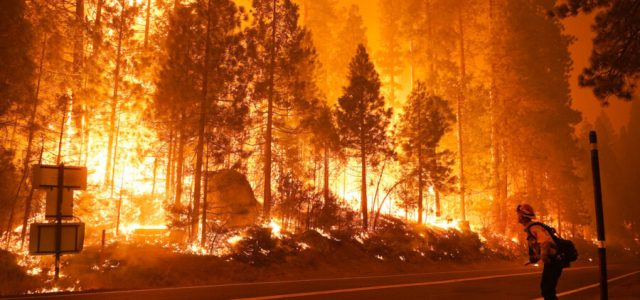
(115, 159)
(325, 189)
(64, 113)
(195, 220)
(32, 129)
(437, 197)
(420, 183)
(344, 179)
(504, 177)
(497, 143)
(78, 63)
(363, 187)
(203, 238)
(168, 180)
(27, 205)
(98, 14)
(155, 173)
(363, 162)
(146, 25)
(78, 43)
(119, 206)
(461, 95)
(267, 153)
(375, 194)
(180, 162)
(114, 100)
(377, 216)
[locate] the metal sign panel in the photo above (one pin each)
(52, 204)
(42, 238)
(46, 176)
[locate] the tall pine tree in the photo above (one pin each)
(425, 121)
(363, 118)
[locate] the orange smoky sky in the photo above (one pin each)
(583, 99)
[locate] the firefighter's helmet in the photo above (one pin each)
(525, 210)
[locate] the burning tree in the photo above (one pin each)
(534, 107)
(150, 91)
(425, 120)
(283, 59)
(363, 119)
(202, 84)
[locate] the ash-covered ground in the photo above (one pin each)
(262, 253)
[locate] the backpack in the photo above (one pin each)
(566, 249)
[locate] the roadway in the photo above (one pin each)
(507, 283)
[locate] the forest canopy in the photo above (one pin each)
(456, 113)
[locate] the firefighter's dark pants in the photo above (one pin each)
(550, 275)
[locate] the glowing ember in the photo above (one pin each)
(304, 246)
(326, 235)
(443, 224)
(275, 229)
(234, 239)
(34, 271)
(197, 249)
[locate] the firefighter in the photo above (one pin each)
(541, 247)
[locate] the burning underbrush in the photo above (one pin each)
(266, 253)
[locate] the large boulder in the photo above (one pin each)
(230, 199)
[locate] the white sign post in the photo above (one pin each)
(51, 207)
(57, 238)
(46, 176)
(43, 237)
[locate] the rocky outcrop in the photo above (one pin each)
(230, 199)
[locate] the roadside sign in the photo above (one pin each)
(42, 239)
(46, 176)
(51, 207)
(57, 238)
